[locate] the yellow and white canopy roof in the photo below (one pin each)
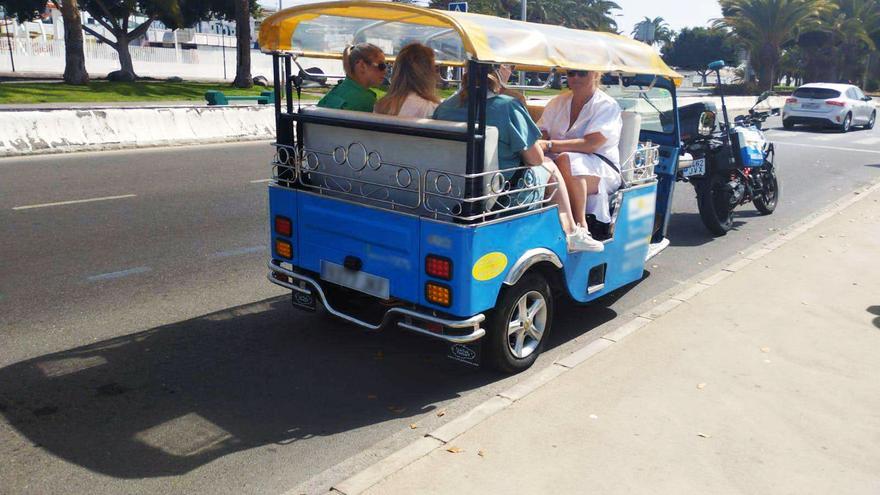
(322, 30)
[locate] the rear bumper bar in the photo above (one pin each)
(407, 319)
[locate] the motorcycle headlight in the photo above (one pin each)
(707, 124)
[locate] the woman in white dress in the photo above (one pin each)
(413, 90)
(581, 131)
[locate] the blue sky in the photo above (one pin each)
(678, 13)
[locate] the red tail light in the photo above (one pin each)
(438, 266)
(283, 226)
(791, 100)
(835, 103)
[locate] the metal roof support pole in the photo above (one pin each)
(477, 91)
(288, 83)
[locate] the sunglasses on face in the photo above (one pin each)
(578, 73)
(378, 65)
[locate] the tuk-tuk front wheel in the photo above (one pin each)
(518, 326)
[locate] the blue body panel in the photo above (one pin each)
(394, 245)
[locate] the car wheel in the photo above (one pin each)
(870, 124)
(847, 123)
(787, 124)
(518, 326)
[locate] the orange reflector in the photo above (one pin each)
(438, 266)
(283, 249)
(283, 226)
(438, 294)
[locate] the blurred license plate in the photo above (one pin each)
(698, 168)
(359, 281)
(810, 105)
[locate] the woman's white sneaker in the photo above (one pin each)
(581, 240)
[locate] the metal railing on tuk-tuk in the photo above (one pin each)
(474, 196)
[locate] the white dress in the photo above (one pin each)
(417, 107)
(600, 114)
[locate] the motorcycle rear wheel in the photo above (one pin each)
(766, 199)
(713, 202)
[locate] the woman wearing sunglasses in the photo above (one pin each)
(581, 131)
(364, 66)
(518, 138)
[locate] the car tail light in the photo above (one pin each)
(835, 103)
(791, 100)
(438, 266)
(283, 249)
(283, 226)
(438, 294)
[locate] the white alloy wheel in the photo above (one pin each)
(526, 325)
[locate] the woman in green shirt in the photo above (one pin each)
(364, 66)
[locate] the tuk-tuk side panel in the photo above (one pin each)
(283, 202)
(482, 256)
(385, 243)
(625, 254)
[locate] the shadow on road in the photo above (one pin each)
(165, 401)
(686, 229)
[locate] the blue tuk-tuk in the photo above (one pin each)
(388, 221)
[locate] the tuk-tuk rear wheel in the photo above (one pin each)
(517, 328)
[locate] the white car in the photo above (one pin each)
(838, 105)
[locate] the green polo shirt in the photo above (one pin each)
(349, 95)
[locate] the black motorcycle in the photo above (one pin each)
(728, 165)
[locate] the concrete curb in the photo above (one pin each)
(33, 132)
(441, 437)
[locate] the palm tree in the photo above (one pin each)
(854, 25)
(765, 27)
(658, 26)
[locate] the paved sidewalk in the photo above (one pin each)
(767, 382)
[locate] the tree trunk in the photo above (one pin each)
(242, 45)
(769, 58)
(126, 67)
(74, 58)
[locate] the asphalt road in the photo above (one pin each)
(143, 351)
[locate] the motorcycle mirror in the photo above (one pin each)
(764, 96)
(707, 124)
(716, 65)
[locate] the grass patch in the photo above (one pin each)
(106, 91)
(153, 91)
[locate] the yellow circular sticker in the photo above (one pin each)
(489, 266)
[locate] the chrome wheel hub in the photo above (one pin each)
(526, 325)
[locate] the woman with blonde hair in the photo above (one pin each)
(413, 90)
(364, 66)
(518, 138)
(581, 131)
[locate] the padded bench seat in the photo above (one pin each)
(383, 167)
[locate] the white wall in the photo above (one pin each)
(205, 63)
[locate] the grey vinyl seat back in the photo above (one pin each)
(390, 169)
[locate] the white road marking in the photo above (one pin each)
(74, 202)
(119, 274)
(868, 141)
(240, 251)
(837, 148)
(823, 137)
(261, 180)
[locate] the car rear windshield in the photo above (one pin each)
(816, 93)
